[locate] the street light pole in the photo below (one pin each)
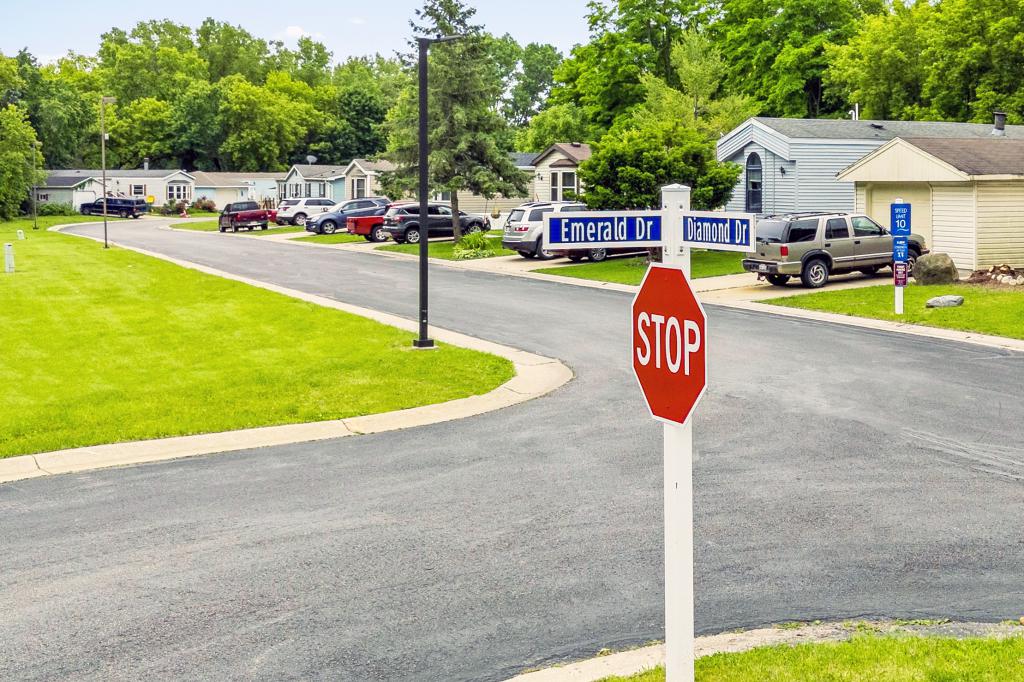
(424, 340)
(103, 160)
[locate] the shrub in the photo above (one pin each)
(55, 209)
(474, 245)
(172, 208)
(204, 204)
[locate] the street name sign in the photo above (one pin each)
(719, 231)
(603, 230)
(669, 343)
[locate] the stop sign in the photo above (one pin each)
(669, 343)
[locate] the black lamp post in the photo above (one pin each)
(424, 340)
(104, 101)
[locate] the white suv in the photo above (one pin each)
(525, 225)
(295, 211)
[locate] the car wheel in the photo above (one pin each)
(475, 227)
(84, 211)
(777, 280)
(300, 219)
(412, 235)
(597, 255)
(123, 214)
(576, 257)
(221, 228)
(280, 222)
(870, 272)
(526, 254)
(542, 254)
(328, 226)
(234, 228)
(378, 234)
(263, 226)
(815, 273)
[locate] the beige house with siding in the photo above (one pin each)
(966, 195)
(475, 203)
(362, 177)
(556, 170)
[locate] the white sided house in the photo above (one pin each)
(791, 164)
(556, 171)
(303, 181)
(76, 187)
(362, 177)
(966, 195)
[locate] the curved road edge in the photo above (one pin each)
(535, 376)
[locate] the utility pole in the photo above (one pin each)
(36, 147)
(104, 101)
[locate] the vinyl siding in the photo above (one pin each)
(953, 218)
(860, 202)
(818, 163)
(778, 190)
(1000, 223)
(881, 195)
(221, 196)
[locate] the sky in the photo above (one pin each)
(346, 27)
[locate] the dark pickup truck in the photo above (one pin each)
(244, 215)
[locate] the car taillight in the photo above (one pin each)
(522, 228)
(783, 250)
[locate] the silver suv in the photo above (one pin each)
(812, 246)
(525, 225)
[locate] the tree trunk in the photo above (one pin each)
(456, 223)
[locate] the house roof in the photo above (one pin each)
(204, 179)
(940, 160)
(845, 129)
(379, 166)
(318, 172)
(116, 173)
(522, 159)
(57, 181)
(577, 152)
(974, 156)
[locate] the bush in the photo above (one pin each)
(55, 209)
(204, 204)
(172, 208)
(474, 245)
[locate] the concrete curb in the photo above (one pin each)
(638, 660)
(535, 376)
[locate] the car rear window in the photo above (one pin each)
(397, 210)
(245, 206)
(771, 230)
(289, 202)
(516, 215)
(539, 213)
(803, 230)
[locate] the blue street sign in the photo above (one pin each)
(900, 249)
(720, 231)
(900, 220)
(603, 229)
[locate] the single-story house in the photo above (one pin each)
(79, 186)
(313, 181)
(555, 170)
(225, 188)
(790, 164)
(966, 195)
(362, 177)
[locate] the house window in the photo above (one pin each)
(754, 177)
(443, 196)
(179, 192)
(138, 190)
(358, 188)
(563, 183)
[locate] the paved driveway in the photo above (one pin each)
(840, 473)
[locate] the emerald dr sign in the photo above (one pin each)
(603, 230)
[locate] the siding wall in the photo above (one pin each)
(860, 201)
(1000, 223)
(540, 188)
(953, 223)
(58, 196)
(778, 190)
(818, 163)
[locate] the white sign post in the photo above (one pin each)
(8, 257)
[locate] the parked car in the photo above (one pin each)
(402, 221)
(334, 219)
(243, 215)
(371, 227)
(525, 225)
(813, 246)
(296, 211)
(120, 206)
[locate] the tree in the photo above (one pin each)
(231, 49)
(139, 130)
(558, 123)
(18, 155)
(465, 129)
(261, 127)
(198, 130)
(531, 83)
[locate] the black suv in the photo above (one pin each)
(119, 206)
(402, 222)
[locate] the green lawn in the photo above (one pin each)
(631, 270)
(864, 659)
(102, 346)
(336, 238)
(986, 311)
(439, 249)
(212, 226)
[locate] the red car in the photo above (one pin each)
(370, 227)
(244, 215)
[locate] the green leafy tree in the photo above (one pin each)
(465, 129)
(355, 128)
(261, 127)
(156, 59)
(198, 130)
(12, 85)
(139, 130)
(558, 123)
(532, 83)
(18, 155)
(231, 49)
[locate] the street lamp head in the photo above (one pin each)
(441, 39)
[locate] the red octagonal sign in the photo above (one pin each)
(669, 343)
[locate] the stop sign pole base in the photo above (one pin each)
(679, 617)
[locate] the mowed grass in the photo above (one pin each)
(214, 225)
(985, 310)
(440, 249)
(336, 238)
(864, 659)
(621, 270)
(103, 346)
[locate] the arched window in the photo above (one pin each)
(754, 175)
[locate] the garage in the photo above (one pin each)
(967, 195)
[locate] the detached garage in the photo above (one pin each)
(967, 195)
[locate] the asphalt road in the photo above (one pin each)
(840, 473)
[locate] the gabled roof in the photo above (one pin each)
(940, 160)
(522, 159)
(204, 179)
(317, 172)
(75, 177)
(577, 152)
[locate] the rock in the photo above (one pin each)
(947, 301)
(935, 268)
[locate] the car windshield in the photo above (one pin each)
(771, 230)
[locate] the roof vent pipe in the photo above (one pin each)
(145, 163)
(1000, 124)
